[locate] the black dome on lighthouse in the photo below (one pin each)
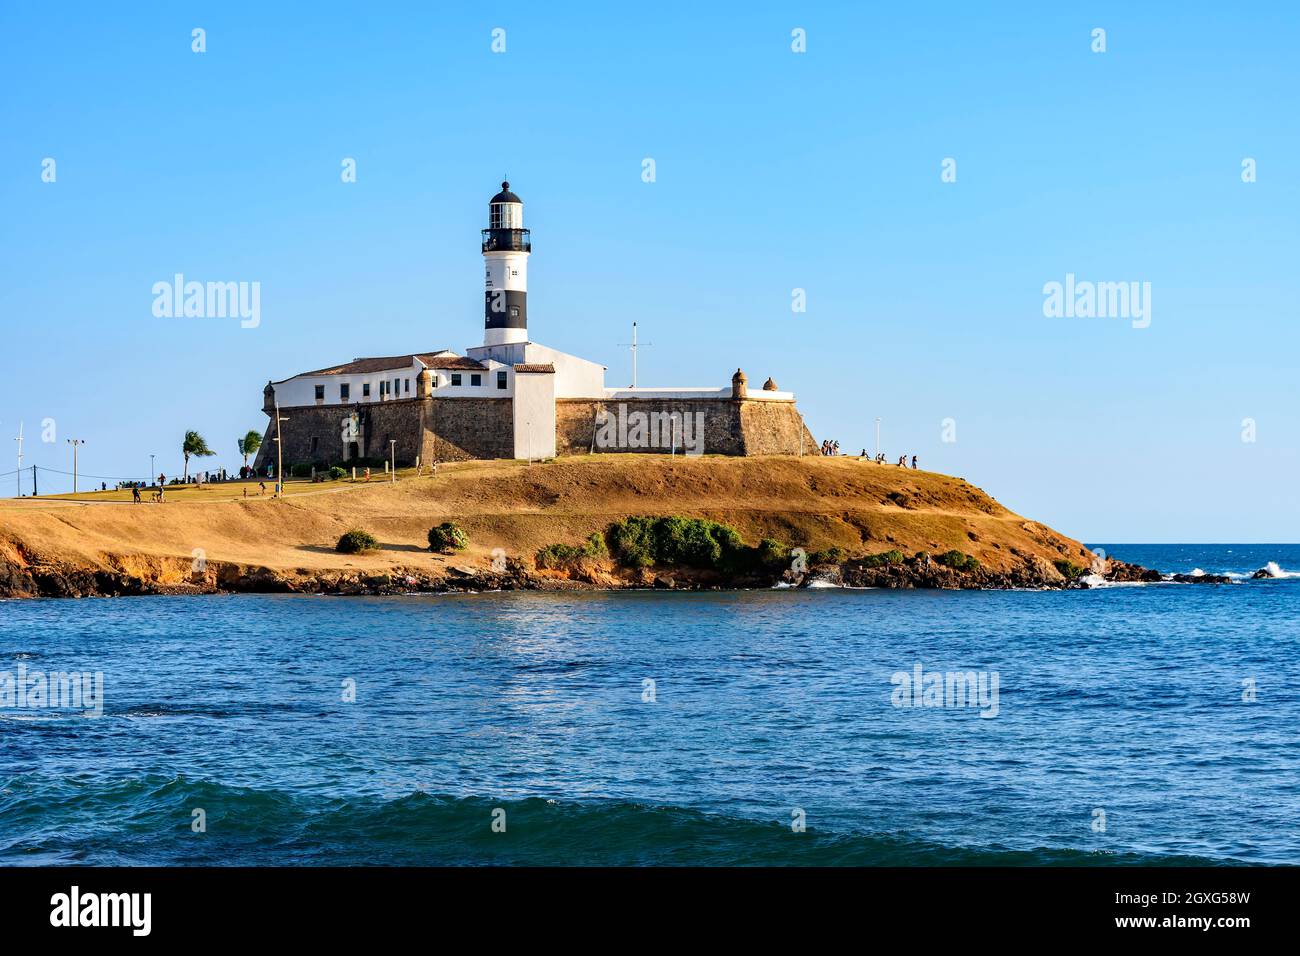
(505, 196)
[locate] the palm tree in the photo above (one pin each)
(249, 444)
(196, 446)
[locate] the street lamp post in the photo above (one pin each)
(279, 452)
(75, 442)
(392, 460)
(151, 474)
(19, 472)
(877, 437)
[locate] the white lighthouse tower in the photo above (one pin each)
(506, 245)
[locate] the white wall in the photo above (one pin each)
(757, 395)
(574, 377)
(444, 389)
(302, 389)
(534, 411)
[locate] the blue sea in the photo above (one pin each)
(1138, 724)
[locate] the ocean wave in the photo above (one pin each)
(1276, 572)
(147, 821)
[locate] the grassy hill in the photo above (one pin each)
(813, 503)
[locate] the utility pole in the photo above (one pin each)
(279, 452)
(877, 437)
(634, 347)
(74, 442)
(19, 439)
(34, 481)
(392, 460)
(152, 476)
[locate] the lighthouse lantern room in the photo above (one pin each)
(506, 245)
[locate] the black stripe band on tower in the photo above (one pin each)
(505, 309)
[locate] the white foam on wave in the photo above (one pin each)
(1097, 582)
(1274, 570)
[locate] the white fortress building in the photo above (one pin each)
(511, 397)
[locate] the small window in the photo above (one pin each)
(455, 378)
(344, 391)
(397, 386)
(514, 312)
(320, 393)
(407, 389)
(476, 379)
(383, 388)
(365, 389)
(501, 379)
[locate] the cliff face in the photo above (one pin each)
(215, 539)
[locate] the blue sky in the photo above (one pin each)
(774, 171)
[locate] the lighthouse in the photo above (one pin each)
(506, 245)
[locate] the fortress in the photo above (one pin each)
(511, 397)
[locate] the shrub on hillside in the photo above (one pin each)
(829, 556)
(356, 541)
(1069, 569)
(772, 552)
(447, 537)
(336, 473)
(958, 560)
(640, 542)
(555, 556)
(892, 556)
(632, 542)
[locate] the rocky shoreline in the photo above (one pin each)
(53, 580)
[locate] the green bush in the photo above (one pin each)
(1069, 569)
(632, 542)
(356, 541)
(566, 555)
(640, 542)
(301, 470)
(447, 537)
(829, 556)
(892, 556)
(771, 552)
(958, 560)
(336, 473)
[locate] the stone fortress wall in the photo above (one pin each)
(445, 429)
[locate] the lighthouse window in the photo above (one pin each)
(514, 312)
(501, 379)
(455, 378)
(476, 379)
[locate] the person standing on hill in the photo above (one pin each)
(914, 463)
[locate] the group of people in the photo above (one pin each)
(833, 448)
(880, 459)
(159, 494)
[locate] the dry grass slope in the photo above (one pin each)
(814, 503)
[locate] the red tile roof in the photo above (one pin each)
(443, 358)
(451, 361)
(547, 368)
